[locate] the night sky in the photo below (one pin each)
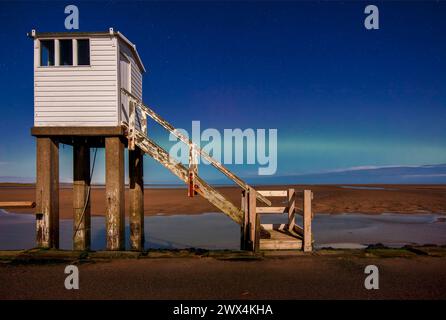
(340, 96)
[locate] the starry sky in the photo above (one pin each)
(340, 96)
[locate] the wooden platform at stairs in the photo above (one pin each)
(281, 240)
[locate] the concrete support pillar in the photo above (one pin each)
(47, 193)
(136, 199)
(114, 193)
(81, 200)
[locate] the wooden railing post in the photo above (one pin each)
(132, 117)
(291, 208)
(307, 245)
(193, 170)
(254, 221)
(251, 222)
(245, 223)
(144, 122)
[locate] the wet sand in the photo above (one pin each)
(327, 199)
(325, 275)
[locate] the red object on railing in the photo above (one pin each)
(191, 185)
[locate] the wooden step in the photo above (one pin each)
(280, 240)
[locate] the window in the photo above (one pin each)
(83, 52)
(66, 52)
(47, 52)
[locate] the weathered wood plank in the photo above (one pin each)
(291, 208)
(77, 131)
(17, 204)
(251, 228)
(136, 199)
(244, 236)
(267, 244)
(254, 221)
(144, 123)
(114, 193)
(272, 210)
(47, 193)
(280, 240)
(193, 171)
(132, 129)
(308, 246)
(273, 193)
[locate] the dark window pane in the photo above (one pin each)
(66, 52)
(83, 52)
(47, 52)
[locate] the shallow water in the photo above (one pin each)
(216, 231)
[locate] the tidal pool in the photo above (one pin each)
(216, 231)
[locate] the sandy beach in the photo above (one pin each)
(404, 274)
(369, 199)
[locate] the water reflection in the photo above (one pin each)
(216, 231)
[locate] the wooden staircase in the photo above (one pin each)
(136, 131)
(200, 186)
(287, 236)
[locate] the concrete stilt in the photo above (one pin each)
(47, 193)
(136, 199)
(81, 201)
(114, 193)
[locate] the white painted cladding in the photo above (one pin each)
(136, 75)
(134, 81)
(81, 96)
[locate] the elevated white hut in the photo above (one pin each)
(78, 76)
